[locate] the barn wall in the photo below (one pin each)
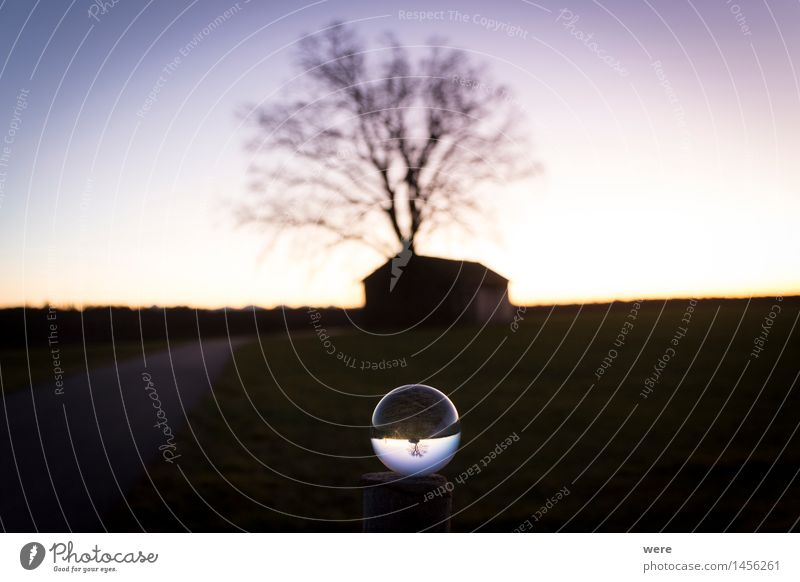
(486, 302)
(419, 290)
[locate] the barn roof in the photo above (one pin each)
(465, 272)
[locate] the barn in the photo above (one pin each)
(434, 291)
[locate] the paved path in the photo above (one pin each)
(66, 459)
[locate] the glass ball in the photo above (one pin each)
(415, 430)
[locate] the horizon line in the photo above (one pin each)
(566, 303)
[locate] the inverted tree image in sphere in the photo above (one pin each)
(415, 430)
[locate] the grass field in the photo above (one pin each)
(284, 440)
(40, 366)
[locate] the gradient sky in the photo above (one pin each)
(677, 176)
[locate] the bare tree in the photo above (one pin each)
(382, 149)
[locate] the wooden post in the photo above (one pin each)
(394, 503)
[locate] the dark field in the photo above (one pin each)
(714, 446)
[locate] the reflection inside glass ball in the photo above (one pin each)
(415, 430)
(416, 450)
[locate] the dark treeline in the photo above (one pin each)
(101, 324)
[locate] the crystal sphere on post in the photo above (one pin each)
(415, 430)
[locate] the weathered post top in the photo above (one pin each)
(397, 503)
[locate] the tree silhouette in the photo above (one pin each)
(382, 149)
